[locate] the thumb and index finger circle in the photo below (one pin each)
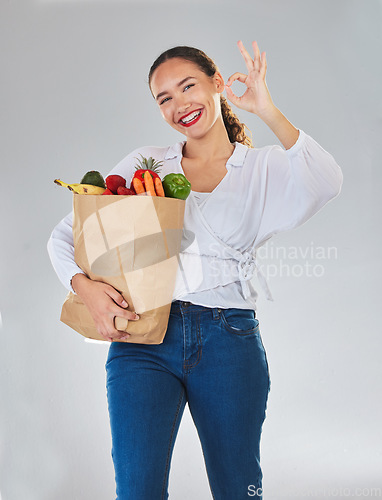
(241, 77)
(231, 96)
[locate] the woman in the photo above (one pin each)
(212, 356)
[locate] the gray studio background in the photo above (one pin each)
(74, 98)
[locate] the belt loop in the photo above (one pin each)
(215, 313)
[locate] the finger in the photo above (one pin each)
(111, 333)
(122, 335)
(122, 313)
(116, 296)
(106, 336)
(119, 335)
(256, 60)
(241, 77)
(107, 330)
(247, 58)
(111, 329)
(263, 69)
(231, 96)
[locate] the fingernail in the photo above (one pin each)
(125, 337)
(124, 303)
(136, 316)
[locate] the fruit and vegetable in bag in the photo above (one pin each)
(113, 182)
(92, 183)
(125, 191)
(176, 186)
(81, 188)
(145, 181)
(94, 178)
(146, 165)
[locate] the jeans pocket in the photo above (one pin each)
(239, 321)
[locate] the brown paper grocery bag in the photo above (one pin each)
(133, 244)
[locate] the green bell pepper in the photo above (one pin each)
(176, 186)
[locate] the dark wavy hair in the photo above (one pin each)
(235, 128)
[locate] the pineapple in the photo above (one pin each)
(146, 164)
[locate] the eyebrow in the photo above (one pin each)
(179, 84)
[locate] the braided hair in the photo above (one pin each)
(235, 128)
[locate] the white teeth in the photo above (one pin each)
(191, 117)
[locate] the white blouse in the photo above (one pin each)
(265, 191)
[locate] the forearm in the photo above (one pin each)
(286, 133)
(61, 251)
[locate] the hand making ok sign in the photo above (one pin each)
(256, 98)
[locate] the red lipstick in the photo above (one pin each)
(197, 113)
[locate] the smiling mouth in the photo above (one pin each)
(191, 118)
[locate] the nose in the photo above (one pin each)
(183, 110)
(183, 105)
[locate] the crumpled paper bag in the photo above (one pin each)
(133, 244)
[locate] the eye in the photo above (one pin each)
(167, 98)
(163, 101)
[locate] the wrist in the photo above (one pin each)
(286, 133)
(76, 282)
(270, 114)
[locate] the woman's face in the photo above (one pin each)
(188, 99)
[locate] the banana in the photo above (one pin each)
(87, 189)
(81, 188)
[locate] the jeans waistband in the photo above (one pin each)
(184, 306)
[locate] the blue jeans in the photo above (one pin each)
(214, 360)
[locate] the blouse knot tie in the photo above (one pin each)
(247, 266)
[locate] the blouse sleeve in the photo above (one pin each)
(60, 244)
(297, 183)
(61, 252)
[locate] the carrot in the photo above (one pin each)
(159, 187)
(149, 184)
(138, 186)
